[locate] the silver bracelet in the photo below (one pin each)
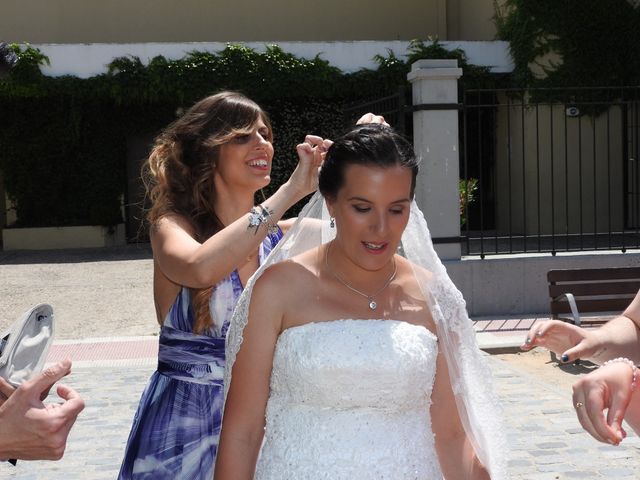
(634, 369)
(260, 217)
(266, 213)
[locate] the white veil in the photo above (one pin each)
(471, 380)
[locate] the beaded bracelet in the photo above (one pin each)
(634, 369)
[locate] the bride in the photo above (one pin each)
(349, 361)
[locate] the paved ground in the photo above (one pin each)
(546, 439)
(547, 442)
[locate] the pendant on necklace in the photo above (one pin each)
(372, 305)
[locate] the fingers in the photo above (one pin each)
(371, 118)
(573, 353)
(566, 340)
(304, 148)
(43, 381)
(604, 389)
(6, 389)
(315, 141)
(310, 148)
(535, 332)
(319, 148)
(71, 408)
(595, 411)
(74, 403)
(582, 407)
(45, 393)
(615, 415)
(314, 149)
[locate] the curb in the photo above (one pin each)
(106, 351)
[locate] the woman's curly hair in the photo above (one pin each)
(178, 175)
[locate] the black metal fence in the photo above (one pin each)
(395, 108)
(549, 170)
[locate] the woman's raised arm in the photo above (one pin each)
(185, 261)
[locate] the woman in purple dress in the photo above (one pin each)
(208, 238)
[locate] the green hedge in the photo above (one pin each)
(63, 140)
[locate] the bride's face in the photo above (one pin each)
(371, 211)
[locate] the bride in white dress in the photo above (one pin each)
(350, 361)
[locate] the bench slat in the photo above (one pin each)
(593, 289)
(614, 273)
(590, 306)
(586, 321)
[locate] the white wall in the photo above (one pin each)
(517, 284)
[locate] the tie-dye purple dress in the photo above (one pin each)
(176, 427)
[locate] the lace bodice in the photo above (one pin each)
(350, 400)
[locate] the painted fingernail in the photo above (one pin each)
(564, 357)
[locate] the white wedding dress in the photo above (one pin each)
(350, 400)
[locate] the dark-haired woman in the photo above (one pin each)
(350, 374)
(208, 238)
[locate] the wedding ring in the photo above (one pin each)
(527, 341)
(579, 404)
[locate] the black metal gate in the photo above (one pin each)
(395, 108)
(632, 154)
(553, 170)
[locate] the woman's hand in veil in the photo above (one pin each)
(311, 154)
(371, 118)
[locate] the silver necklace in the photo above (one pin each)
(372, 303)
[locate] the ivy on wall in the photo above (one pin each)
(63, 140)
(596, 43)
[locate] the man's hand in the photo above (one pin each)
(31, 430)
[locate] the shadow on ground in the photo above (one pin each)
(577, 367)
(134, 251)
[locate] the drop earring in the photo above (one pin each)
(332, 222)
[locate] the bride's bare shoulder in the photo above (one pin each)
(290, 274)
(413, 268)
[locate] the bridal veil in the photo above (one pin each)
(470, 376)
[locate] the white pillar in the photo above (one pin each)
(435, 138)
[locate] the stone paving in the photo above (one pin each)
(546, 440)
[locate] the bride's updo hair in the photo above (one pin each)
(371, 144)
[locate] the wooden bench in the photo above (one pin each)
(601, 292)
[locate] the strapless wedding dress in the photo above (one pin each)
(350, 400)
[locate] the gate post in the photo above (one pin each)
(435, 139)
